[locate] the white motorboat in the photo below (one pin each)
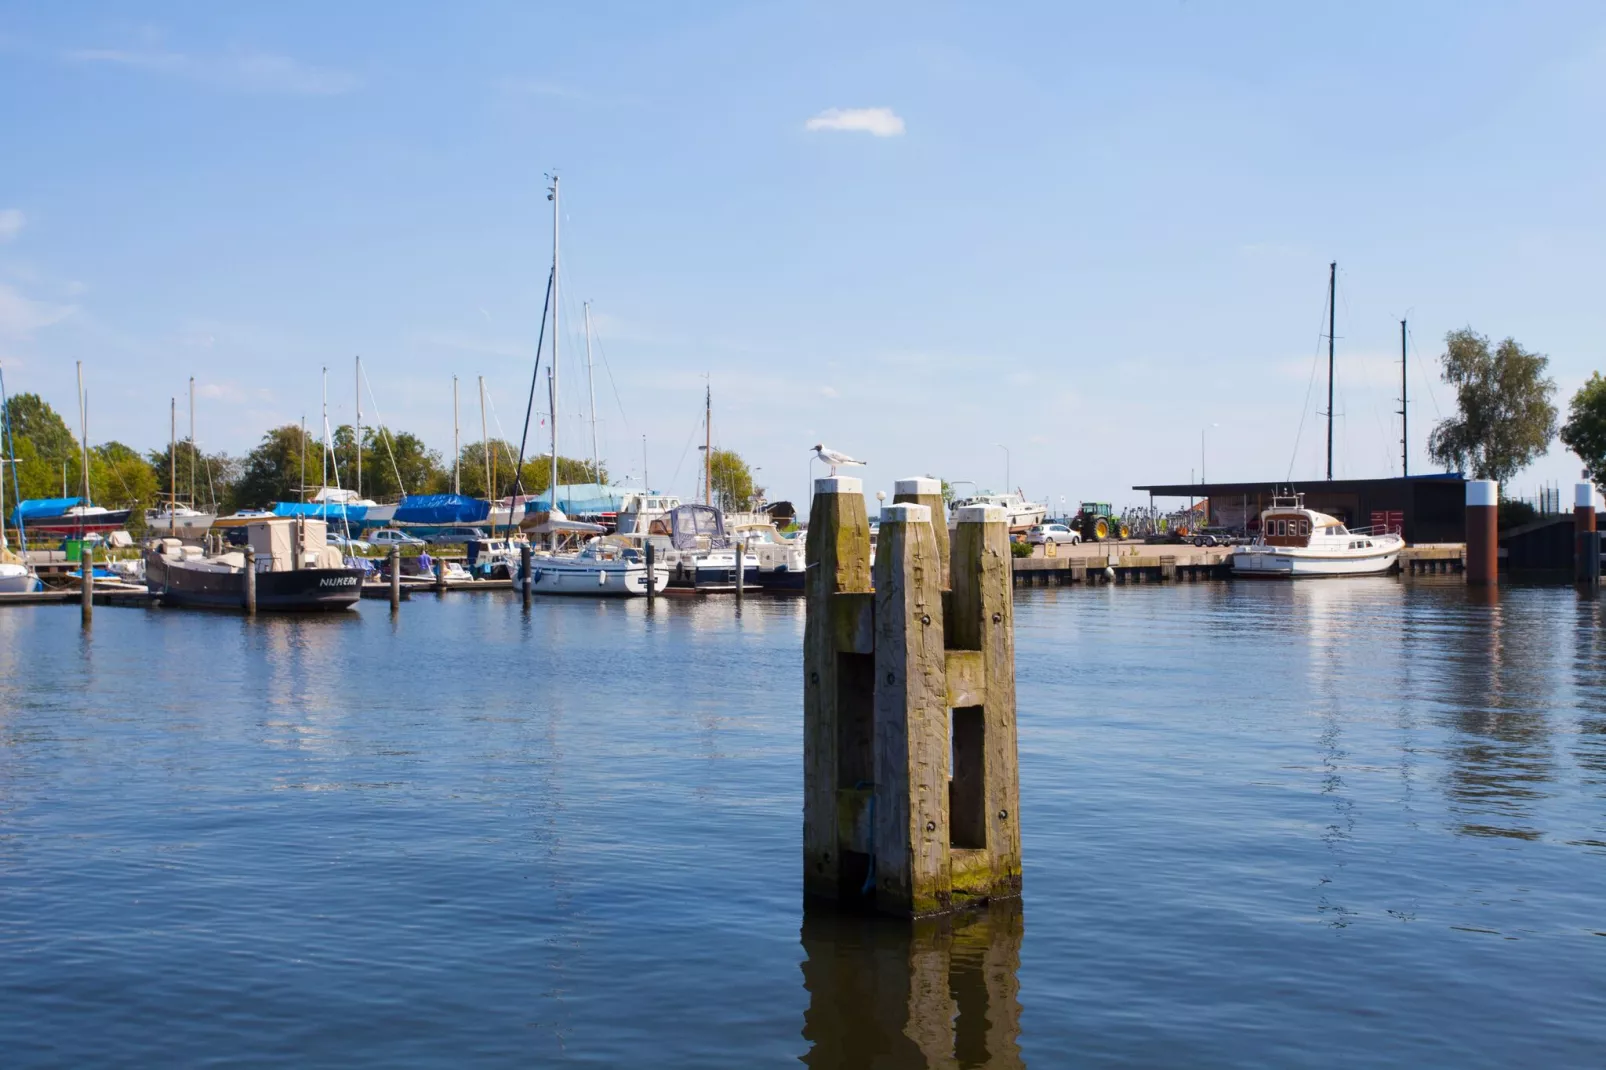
(180, 521)
(16, 575)
(600, 570)
(638, 512)
(1021, 514)
(1295, 541)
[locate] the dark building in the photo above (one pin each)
(1424, 508)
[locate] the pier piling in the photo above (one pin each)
(923, 490)
(440, 575)
(86, 586)
(250, 581)
(911, 788)
(526, 576)
(741, 570)
(652, 573)
(1483, 535)
(395, 579)
(1586, 540)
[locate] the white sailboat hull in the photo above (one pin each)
(594, 579)
(16, 579)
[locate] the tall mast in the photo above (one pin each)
(83, 438)
(645, 485)
(1332, 319)
(485, 442)
(303, 457)
(591, 385)
(552, 403)
(357, 434)
(1405, 425)
(552, 369)
(172, 465)
(708, 445)
(457, 450)
(323, 484)
(192, 442)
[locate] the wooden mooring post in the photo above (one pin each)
(526, 574)
(440, 575)
(652, 572)
(86, 584)
(250, 581)
(911, 786)
(395, 579)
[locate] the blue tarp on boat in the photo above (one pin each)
(332, 512)
(581, 499)
(441, 509)
(38, 507)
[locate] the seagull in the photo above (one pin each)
(833, 458)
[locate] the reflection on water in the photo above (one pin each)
(894, 996)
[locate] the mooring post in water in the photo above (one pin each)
(440, 575)
(1586, 540)
(741, 569)
(250, 581)
(395, 579)
(652, 572)
(1483, 535)
(86, 582)
(923, 490)
(911, 788)
(526, 573)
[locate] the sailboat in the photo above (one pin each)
(598, 569)
(16, 575)
(180, 521)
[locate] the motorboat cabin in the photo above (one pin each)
(1296, 541)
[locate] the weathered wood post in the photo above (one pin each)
(891, 706)
(652, 572)
(86, 583)
(250, 581)
(923, 490)
(395, 579)
(741, 570)
(526, 573)
(1483, 536)
(440, 575)
(1586, 541)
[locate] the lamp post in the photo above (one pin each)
(1005, 448)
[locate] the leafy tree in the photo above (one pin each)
(209, 478)
(33, 419)
(272, 471)
(1585, 430)
(1506, 419)
(538, 473)
(732, 481)
(120, 478)
(387, 455)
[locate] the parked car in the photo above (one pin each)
(1054, 533)
(455, 536)
(388, 537)
(340, 540)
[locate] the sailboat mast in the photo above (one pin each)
(708, 445)
(552, 403)
(1405, 425)
(303, 457)
(591, 385)
(193, 442)
(357, 434)
(457, 451)
(83, 438)
(324, 468)
(172, 466)
(1332, 320)
(485, 442)
(552, 369)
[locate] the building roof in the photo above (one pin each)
(1271, 486)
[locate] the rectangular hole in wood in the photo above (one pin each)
(967, 793)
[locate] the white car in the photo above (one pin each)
(358, 545)
(1058, 534)
(392, 537)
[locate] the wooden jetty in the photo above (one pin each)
(1147, 563)
(104, 595)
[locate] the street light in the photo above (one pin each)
(1005, 448)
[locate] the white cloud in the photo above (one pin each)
(11, 223)
(20, 316)
(253, 72)
(882, 122)
(830, 392)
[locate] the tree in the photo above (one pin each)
(732, 481)
(1506, 419)
(272, 471)
(398, 463)
(1585, 430)
(32, 418)
(203, 479)
(119, 477)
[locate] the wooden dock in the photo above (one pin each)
(104, 596)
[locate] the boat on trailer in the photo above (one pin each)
(1297, 542)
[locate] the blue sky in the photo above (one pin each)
(1087, 232)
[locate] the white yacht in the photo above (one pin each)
(180, 521)
(639, 511)
(1295, 541)
(1021, 514)
(600, 570)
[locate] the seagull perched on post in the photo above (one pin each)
(833, 458)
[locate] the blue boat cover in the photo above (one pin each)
(581, 499)
(441, 509)
(332, 512)
(38, 507)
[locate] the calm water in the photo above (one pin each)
(1335, 823)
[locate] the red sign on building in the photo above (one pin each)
(1391, 521)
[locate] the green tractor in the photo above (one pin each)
(1096, 521)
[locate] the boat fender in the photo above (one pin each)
(1109, 573)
